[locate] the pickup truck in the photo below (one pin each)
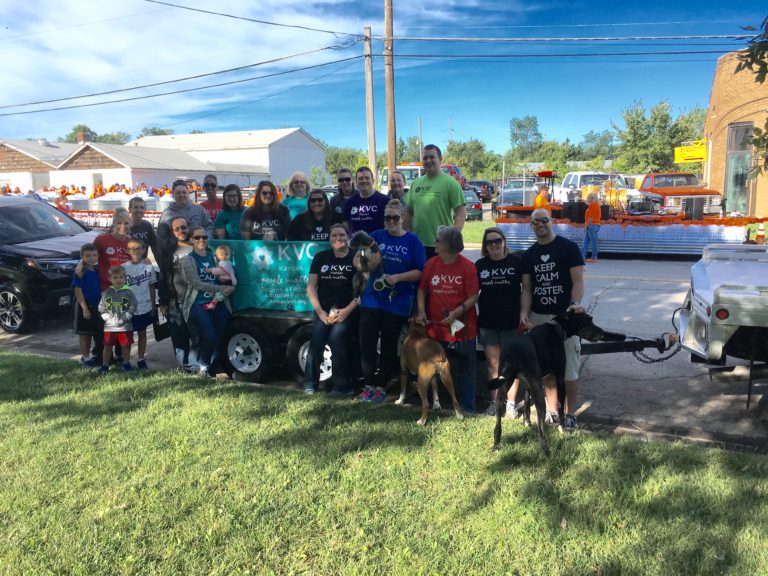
(574, 184)
(681, 192)
(725, 312)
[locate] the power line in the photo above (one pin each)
(181, 91)
(558, 55)
(336, 33)
(605, 25)
(77, 25)
(555, 39)
(118, 90)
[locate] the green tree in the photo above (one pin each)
(647, 141)
(113, 138)
(411, 150)
(755, 59)
(595, 144)
(317, 177)
(155, 131)
(525, 136)
(556, 155)
(337, 158)
(71, 137)
(470, 156)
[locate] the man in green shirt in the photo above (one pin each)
(434, 200)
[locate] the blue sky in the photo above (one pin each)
(49, 53)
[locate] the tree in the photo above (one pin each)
(337, 158)
(525, 136)
(113, 138)
(470, 156)
(556, 155)
(71, 138)
(155, 131)
(647, 142)
(755, 59)
(595, 144)
(411, 150)
(317, 177)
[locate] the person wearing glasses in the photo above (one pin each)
(365, 210)
(346, 191)
(268, 218)
(314, 223)
(387, 300)
(170, 290)
(209, 322)
(296, 198)
(183, 207)
(211, 204)
(227, 225)
(499, 273)
(446, 300)
(553, 283)
(435, 199)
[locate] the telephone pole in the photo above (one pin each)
(389, 86)
(369, 110)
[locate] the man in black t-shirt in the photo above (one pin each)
(142, 229)
(553, 282)
(346, 191)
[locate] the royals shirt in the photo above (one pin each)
(550, 268)
(139, 277)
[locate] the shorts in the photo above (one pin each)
(494, 337)
(141, 321)
(572, 348)
(118, 338)
(91, 327)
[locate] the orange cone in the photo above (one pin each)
(760, 238)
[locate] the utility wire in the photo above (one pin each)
(182, 91)
(77, 25)
(336, 33)
(118, 90)
(605, 25)
(558, 55)
(530, 39)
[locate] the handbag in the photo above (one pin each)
(160, 330)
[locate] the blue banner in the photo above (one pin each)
(271, 275)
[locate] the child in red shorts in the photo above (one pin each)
(117, 307)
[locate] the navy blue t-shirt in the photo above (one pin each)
(550, 268)
(89, 284)
(365, 213)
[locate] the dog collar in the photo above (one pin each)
(558, 329)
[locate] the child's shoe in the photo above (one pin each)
(103, 369)
(87, 362)
(142, 365)
(127, 367)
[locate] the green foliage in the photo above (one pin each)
(71, 137)
(155, 131)
(595, 144)
(755, 59)
(556, 155)
(411, 150)
(114, 138)
(337, 158)
(525, 138)
(317, 177)
(470, 156)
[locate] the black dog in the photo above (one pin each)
(540, 352)
(366, 250)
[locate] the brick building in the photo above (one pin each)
(736, 104)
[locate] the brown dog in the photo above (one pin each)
(425, 359)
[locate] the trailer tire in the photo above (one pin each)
(248, 353)
(296, 355)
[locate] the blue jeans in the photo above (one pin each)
(590, 236)
(337, 337)
(210, 325)
(465, 382)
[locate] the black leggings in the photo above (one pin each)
(375, 323)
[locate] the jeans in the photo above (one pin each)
(210, 325)
(179, 332)
(337, 337)
(465, 381)
(590, 235)
(375, 322)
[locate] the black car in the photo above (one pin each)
(485, 189)
(39, 249)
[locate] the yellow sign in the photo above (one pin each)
(696, 152)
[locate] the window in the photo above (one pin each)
(737, 164)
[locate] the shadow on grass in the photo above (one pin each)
(678, 505)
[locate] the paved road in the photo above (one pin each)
(617, 391)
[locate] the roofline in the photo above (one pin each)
(27, 154)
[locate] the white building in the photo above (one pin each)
(281, 152)
(27, 164)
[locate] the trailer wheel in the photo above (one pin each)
(248, 353)
(296, 355)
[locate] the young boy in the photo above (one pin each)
(141, 279)
(88, 323)
(117, 307)
(142, 229)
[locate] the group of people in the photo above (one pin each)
(419, 272)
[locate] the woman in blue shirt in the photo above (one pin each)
(227, 225)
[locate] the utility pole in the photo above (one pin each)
(369, 113)
(421, 143)
(389, 86)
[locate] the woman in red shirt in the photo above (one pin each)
(113, 245)
(446, 298)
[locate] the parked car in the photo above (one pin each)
(507, 198)
(574, 183)
(525, 187)
(485, 189)
(454, 171)
(473, 204)
(39, 249)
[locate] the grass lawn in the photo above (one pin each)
(473, 230)
(169, 474)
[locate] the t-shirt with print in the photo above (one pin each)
(146, 233)
(447, 286)
(334, 279)
(139, 277)
(201, 263)
(229, 220)
(550, 268)
(271, 226)
(499, 301)
(434, 201)
(112, 252)
(89, 283)
(319, 232)
(213, 208)
(400, 254)
(365, 213)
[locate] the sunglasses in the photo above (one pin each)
(267, 193)
(181, 229)
(209, 185)
(348, 179)
(200, 237)
(494, 242)
(395, 218)
(536, 221)
(316, 200)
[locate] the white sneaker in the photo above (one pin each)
(512, 410)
